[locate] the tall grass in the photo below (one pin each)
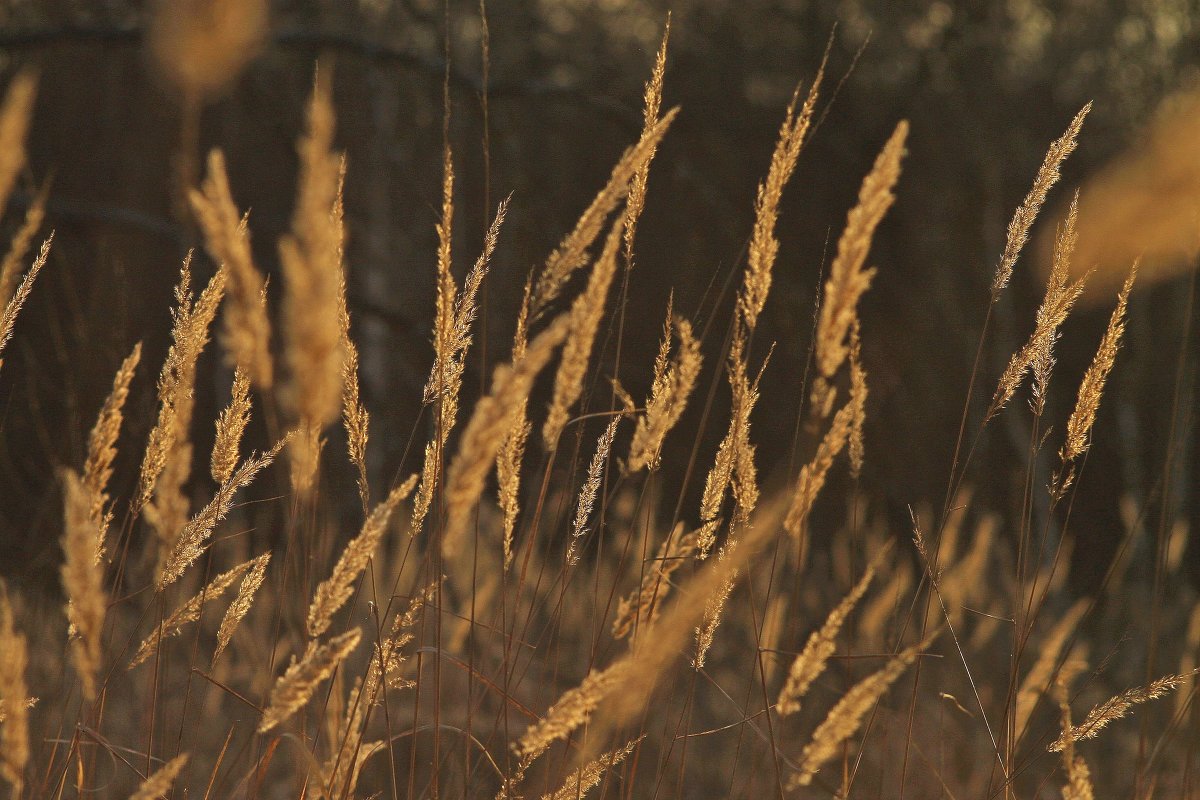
(569, 636)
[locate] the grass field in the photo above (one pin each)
(566, 592)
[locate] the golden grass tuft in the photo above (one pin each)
(1047, 175)
(1115, 708)
(335, 590)
(311, 269)
(160, 781)
(847, 279)
(764, 247)
(811, 662)
(295, 687)
(673, 382)
(227, 238)
(844, 719)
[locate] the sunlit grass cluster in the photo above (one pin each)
(527, 610)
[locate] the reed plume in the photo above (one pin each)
(639, 606)
(159, 783)
(309, 260)
(811, 662)
(856, 446)
(168, 439)
(355, 418)
(490, 422)
(1079, 425)
(189, 611)
(585, 315)
(587, 777)
(714, 606)
(669, 391)
(296, 686)
(847, 279)
(17, 301)
(102, 448)
(231, 424)
(1037, 353)
(635, 202)
(335, 590)
(190, 543)
(734, 462)
(591, 487)
(813, 474)
(241, 603)
(1047, 175)
(572, 710)
(1115, 708)
(227, 239)
(83, 581)
(18, 248)
(846, 716)
(571, 253)
(764, 247)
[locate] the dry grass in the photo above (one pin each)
(549, 639)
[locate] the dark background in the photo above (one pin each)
(985, 85)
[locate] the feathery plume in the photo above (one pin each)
(176, 384)
(190, 611)
(355, 418)
(19, 297)
(452, 337)
(484, 434)
(241, 603)
(847, 279)
(858, 401)
(14, 734)
(811, 662)
(296, 686)
(309, 258)
(508, 475)
(714, 607)
(388, 655)
(1037, 353)
(335, 590)
(672, 385)
(651, 105)
(585, 315)
(189, 545)
(846, 716)
(83, 581)
(1115, 708)
(15, 115)
(230, 427)
(159, 783)
(639, 607)
(227, 239)
(18, 249)
(102, 447)
(587, 777)
(813, 474)
(591, 487)
(1079, 426)
(1047, 175)
(734, 462)
(571, 710)
(764, 247)
(572, 252)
